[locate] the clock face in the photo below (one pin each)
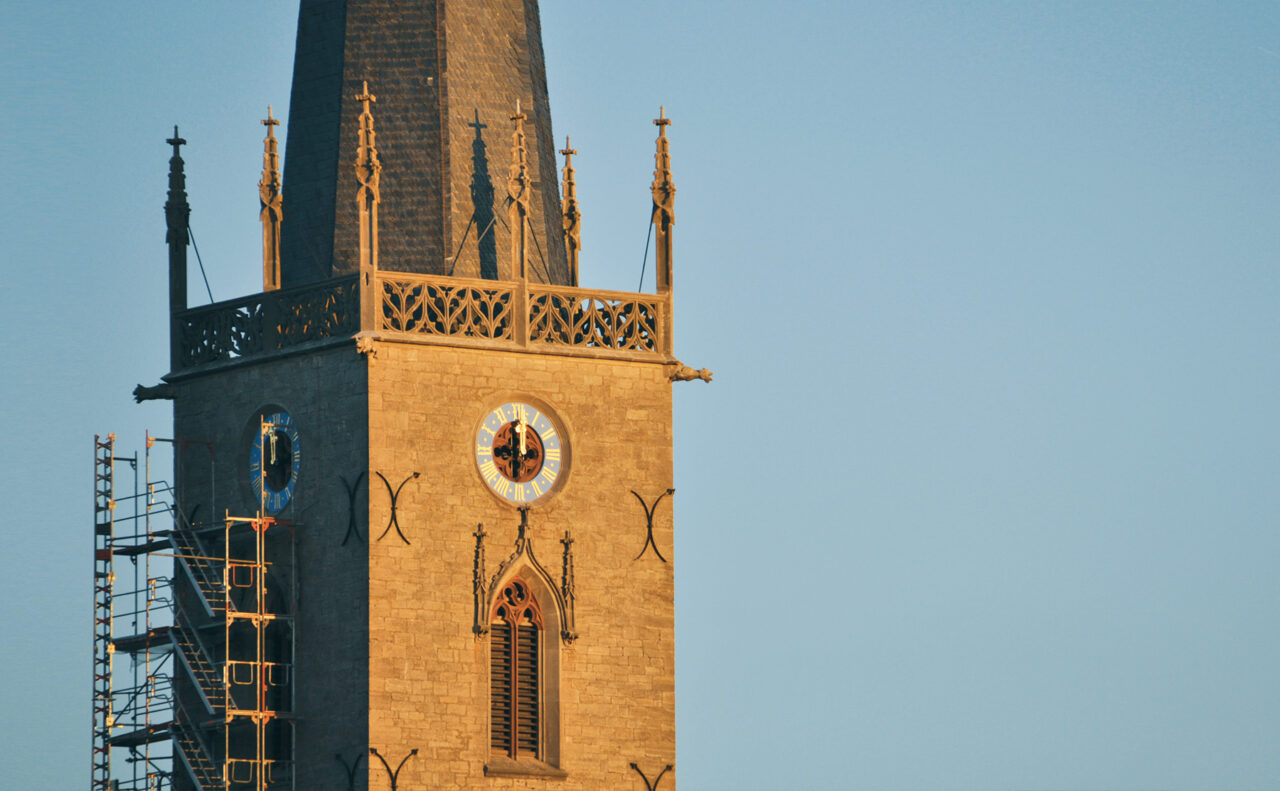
(519, 453)
(274, 457)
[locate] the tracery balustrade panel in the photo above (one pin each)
(324, 311)
(221, 332)
(447, 306)
(269, 321)
(594, 319)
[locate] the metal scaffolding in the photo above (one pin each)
(257, 636)
(132, 680)
(104, 507)
(193, 639)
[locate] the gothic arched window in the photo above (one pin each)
(515, 630)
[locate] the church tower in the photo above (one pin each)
(425, 513)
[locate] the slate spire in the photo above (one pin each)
(447, 74)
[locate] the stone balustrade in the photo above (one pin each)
(428, 309)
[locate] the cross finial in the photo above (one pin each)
(568, 149)
(519, 116)
(365, 96)
(176, 141)
(269, 121)
(662, 120)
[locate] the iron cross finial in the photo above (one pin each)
(176, 141)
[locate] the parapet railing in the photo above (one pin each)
(433, 309)
(533, 316)
(268, 322)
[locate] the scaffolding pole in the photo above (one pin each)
(104, 506)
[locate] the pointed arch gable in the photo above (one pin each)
(524, 564)
(517, 672)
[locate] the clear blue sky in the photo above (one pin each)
(984, 494)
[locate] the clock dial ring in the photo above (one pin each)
(275, 458)
(520, 453)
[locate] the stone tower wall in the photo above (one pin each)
(386, 656)
(428, 673)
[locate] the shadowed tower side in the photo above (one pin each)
(448, 75)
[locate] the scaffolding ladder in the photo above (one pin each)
(259, 689)
(104, 506)
(132, 690)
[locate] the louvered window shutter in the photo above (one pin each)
(500, 697)
(515, 635)
(527, 690)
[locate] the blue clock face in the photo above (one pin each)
(520, 453)
(274, 458)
